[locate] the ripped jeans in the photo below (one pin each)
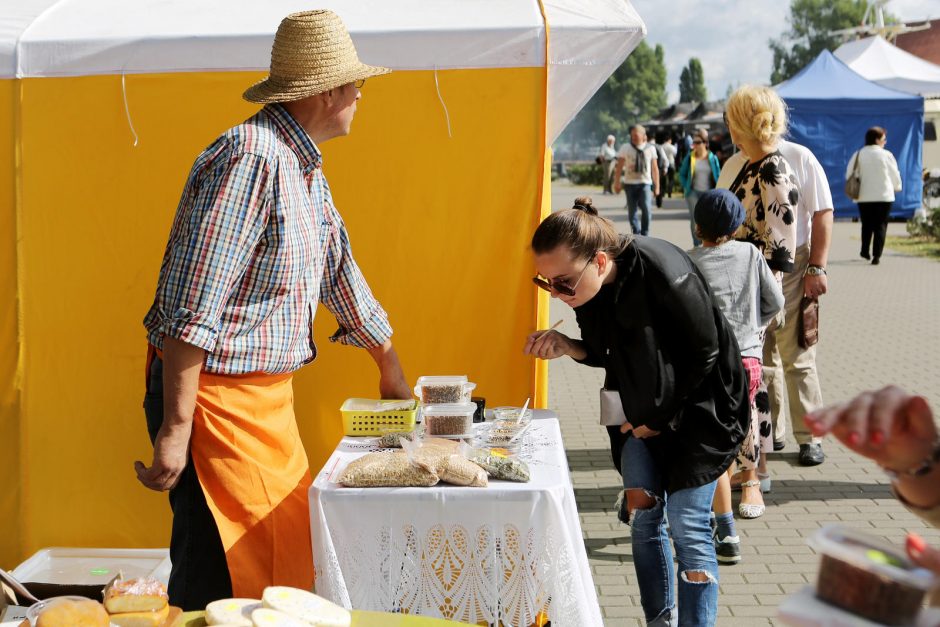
(688, 512)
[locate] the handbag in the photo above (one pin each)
(611, 408)
(809, 322)
(853, 184)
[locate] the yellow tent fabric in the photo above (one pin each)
(441, 183)
(439, 224)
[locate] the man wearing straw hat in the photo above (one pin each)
(255, 245)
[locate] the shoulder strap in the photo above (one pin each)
(733, 188)
(855, 167)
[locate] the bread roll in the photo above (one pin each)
(306, 606)
(231, 612)
(135, 595)
(68, 613)
(141, 619)
(265, 617)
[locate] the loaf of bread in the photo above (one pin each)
(135, 595)
(306, 606)
(265, 617)
(68, 613)
(148, 618)
(231, 612)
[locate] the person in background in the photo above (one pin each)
(898, 432)
(749, 297)
(663, 162)
(670, 149)
(607, 159)
(880, 181)
(638, 165)
(698, 173)
(647, 317)
(790, 370)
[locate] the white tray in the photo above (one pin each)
(60, 565)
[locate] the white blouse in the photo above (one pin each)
(878, 172)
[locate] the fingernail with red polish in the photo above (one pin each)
(854, 438)
(916, 544)
(877, 437)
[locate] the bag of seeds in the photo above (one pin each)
(396, 469)
(502, 467)
(447, 459)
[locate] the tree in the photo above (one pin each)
(692, 82)
(812, 23)
(635, 92)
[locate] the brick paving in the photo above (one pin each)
(879, 324)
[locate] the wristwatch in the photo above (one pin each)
(815, 270)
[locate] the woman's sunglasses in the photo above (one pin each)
(562, 287)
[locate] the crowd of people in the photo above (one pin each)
(706, 348)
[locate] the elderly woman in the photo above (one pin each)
(880, 179)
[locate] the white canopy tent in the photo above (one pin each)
(878, 61)
(588, 39)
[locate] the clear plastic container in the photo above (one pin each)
(444, 389)
(509, 415)
(869, 577)
(503, 435)
(448, 419)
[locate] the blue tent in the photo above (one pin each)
(831, 107)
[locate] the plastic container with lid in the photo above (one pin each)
(448, 419)
(869, 577)
(444, 389)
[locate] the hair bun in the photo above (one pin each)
(585, 204)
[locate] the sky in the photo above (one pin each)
(730, 36)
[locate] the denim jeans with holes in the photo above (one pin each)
(688, 512)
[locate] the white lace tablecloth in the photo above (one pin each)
(499, 554)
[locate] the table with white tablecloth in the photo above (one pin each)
(509, 553)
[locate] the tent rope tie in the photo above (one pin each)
(437, 85)
(127, 110)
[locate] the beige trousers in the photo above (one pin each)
(789, 370)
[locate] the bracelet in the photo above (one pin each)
(920, 469)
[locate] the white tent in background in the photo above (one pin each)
(878, 61)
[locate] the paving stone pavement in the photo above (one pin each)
(878, 325)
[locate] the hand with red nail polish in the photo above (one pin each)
(922, 554)
(889, 426)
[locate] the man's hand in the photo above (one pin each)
(392, 382)
(170, 455)
(549, 345)
(816, 285)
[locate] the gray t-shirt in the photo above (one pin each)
(702, 177)
(744, 287)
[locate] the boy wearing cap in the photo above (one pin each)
(749, 296)
(257, 243)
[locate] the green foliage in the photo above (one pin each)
(928, 227)
(635, 92)
(811, 25)
(587, 174)
(692, 82)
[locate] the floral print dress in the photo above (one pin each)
(769, 192)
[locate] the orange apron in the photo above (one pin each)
(253, 469)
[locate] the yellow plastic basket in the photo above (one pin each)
(363, 422)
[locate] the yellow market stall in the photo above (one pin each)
(103, 107)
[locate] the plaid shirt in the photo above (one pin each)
(255, 245)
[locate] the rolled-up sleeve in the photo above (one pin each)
(218, 225)
(344, 291)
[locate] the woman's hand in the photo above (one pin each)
(889, 426)
(550, 345)
(640, 432)
(921, 554)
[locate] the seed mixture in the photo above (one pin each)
(437, 394)
(447, 425)
(386, 470)
(504, 468)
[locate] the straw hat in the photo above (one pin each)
(312, 53)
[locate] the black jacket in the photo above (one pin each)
(667, 348)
